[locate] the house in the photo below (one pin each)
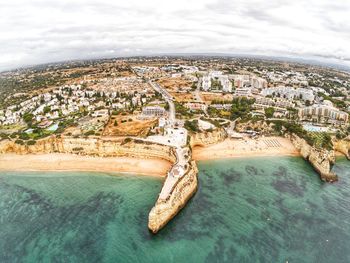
(243, 92)
(153, 111)
(195, 106)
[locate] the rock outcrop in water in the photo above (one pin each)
(165, 209)
(320, 159)
(343, 146)
(207, 138)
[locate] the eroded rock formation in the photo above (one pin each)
(260, 126)
(343, 146)
(92, 146)
(207, 138)
(320, 159)
(164, 210)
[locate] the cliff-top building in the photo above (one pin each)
(323, 113)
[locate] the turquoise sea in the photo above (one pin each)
(246, 210)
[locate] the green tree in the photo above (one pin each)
(28, 117)
(47, 109)
(241, 108)
(192, 125)
(269, 112)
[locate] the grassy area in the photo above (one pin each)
(182, 110)
(12, 127)
(192, 126)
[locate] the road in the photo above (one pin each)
(167, 97)
(198, 96)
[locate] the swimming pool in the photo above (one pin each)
(53, 127)
(313, 128)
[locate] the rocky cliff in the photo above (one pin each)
(320, 159)
(207, 138)
(343, 146)
(260, 126)
(164, 210)
(92, 146)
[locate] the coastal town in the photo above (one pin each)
(187, 109)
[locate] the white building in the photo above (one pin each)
(241, 80)
(156, 111)
(176, 136)
(217, 75)
(195, 106)
(226, 83)
(243, 92)
(205, 125)
(290, 93)
(324, 112)
(206, 83)
(258, 83)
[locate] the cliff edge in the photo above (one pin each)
(343, 146)
(165, 209)
(206, 138)
(321, 159)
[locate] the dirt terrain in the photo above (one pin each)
(174, 84)
(182, 97)
(208, 97)
(128, 125)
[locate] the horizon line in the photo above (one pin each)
(311, 61)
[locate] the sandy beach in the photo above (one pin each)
(247, 147)
(230, 148)
(71, 162)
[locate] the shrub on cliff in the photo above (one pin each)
(31, 142)
(126, 140)
(24, 136)
(20, 142)
(192, 125)
(88, 133)
(77, 149)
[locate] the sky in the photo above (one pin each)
(40, 31)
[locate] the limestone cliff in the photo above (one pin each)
(164, 210)
(343, 146)
(92, 146)
(260, 126)
(207, 138)
(320, 159)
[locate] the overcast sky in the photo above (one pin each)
(38, 31)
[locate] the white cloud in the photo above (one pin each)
(38, 31)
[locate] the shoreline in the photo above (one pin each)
(246, 148)
(271, 146)
(262, 155)
(61, 162)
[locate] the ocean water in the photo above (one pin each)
(246, 210)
